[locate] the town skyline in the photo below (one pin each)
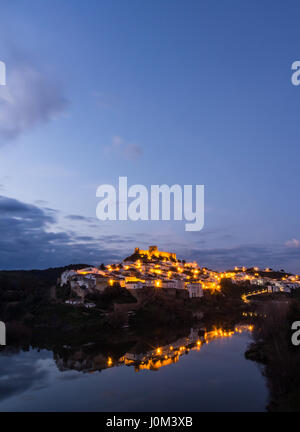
(151, 269)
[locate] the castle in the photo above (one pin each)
(153, 251)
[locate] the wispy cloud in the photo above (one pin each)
(31, 97)
(294, 243)
(119, 147)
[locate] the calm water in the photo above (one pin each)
(212, 377)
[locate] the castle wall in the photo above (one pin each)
(154, 251)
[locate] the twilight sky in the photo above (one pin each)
(160, 91)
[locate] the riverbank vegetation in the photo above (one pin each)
(272, 347)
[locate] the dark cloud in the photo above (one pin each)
(27, 241)
(12, 208)
(29, 98)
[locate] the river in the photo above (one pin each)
(191, 373)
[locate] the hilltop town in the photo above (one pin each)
(155, 269)
(149, 288)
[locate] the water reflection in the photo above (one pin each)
(152, 358)
(198, 369)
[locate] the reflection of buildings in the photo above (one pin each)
(163, 355)
(152, 359)
(81, 361)
(221, 333)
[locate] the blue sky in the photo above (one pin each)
(196, 92)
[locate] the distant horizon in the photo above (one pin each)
(232, 267)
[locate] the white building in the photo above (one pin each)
(173, 283)
(134, 285)
(83, 283)
(257, 281)
(288, 287)
(66, 275)
(89, 305)
(74, 302)
(194, 289)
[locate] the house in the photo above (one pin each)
(289, 287)
(83, 282)
(258, 281)
(89, 270)
(134, 284)
(194, 289)
(66, 275)
(74, 302)
(121, 281)
(275, 288)
(173, 283)
(191, 264)
(89, 305)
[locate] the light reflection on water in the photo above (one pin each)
(165, 355)
(202, 371)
